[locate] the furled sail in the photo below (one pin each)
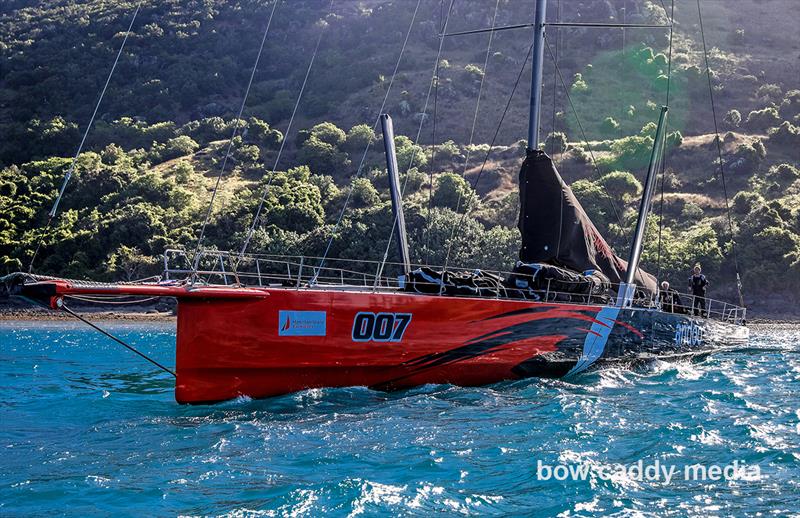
(556, 230)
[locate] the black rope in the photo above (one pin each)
(719, 157)
(109, 335)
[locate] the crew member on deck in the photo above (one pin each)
(670, 300)
(698, 284)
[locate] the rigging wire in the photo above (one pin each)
(555, 84)
(113, 301)
(580, 126)
(472, 130)
(233, 136)
(664, 157)
(64, 307)
(552, 141)
(433, 136)
(719, 157)
(318, 268)
(52, 214)
(494, 139)
(263, 198)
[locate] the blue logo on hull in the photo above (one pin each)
(301, 323)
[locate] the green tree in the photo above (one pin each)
(320, 150)
(358, 138)
(732, 119)
(454, 192)
(621, 185)
(128, 264)
(363, 194)
(761, 120)
(293, 202)
(408, 153)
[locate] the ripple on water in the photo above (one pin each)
(84, 421)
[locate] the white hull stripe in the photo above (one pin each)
(595, 343)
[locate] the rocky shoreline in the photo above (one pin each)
(160, 310)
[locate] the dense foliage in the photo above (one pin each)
(144, 182)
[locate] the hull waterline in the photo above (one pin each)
(262, 342)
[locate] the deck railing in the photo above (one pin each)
(221, 268)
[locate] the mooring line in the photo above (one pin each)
(64, 307)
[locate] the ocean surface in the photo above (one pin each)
(87, 428)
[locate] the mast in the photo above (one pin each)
(394, 189)
(536, 74)
(626, 289)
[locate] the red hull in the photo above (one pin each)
(263, 342)
(228, 348)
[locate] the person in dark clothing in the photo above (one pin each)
(698, 284)
(670, 300)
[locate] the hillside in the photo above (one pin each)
(150, 163)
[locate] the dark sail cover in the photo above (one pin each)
(556, 230)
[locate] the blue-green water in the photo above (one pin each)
(87, 428)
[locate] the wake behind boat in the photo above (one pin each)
(260, 326)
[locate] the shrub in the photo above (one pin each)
(578, 83)
(183, 171)
(556, 142)
(112, 154)
(786, 134)
(363, 194)
(173, 148)
(760, 120)
(412, 181)
(632, 152)
(358, 138)
(769, 93)
(674, 139)
(732, 119)
(649, 129)
(621, 185)
(259, 133)
(408, 153)
(609, 125)
(790, 107)
(447, 151)
(206, 130)
(248, 154)
(747, 157)
(745, 201)
(474, 71)
(783, 174)
(581, 155)
(323, 157)
(454, 192)
(329, 133)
